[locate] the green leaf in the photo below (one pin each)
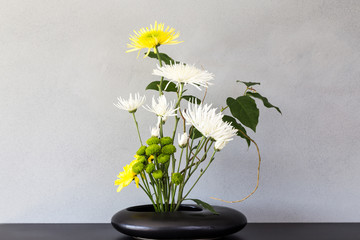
(164, 57)
(194, 133)
(204, 205)
(249, 84)
(264, 100)
(155, 86)
(245, 110)
(237, 126)
(192, 99)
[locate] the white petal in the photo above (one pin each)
(187, 74)
(182, 139)
(219, 145)
(209, 123)
(155, 131)
(132, 104)
(162, 108)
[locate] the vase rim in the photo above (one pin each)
(150, 208)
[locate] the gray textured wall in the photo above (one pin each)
(62, 142)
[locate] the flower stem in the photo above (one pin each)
(182, 185)
(182, 150)
(202, 173)
(137, 128)
(173, 197)
(198, 149)
(224, 108)
(196, 164)
(177, 105)
(161, 128)
(158, 55)
(246, 90)
(160, 62)
(160, 87)
(159, 196)
(146, 189)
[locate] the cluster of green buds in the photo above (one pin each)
(155, 157)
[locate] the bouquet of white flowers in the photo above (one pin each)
(160, 168)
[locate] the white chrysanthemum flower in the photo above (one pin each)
(182, 139)
(220, 144)
(132, 104)
(162, 108)
(155, 131)
(187, 74)
(209, 123)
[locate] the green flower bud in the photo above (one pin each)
(166, 141)
(141, 150)
(153, 140)
(142, 159)
(150, 168)
(177, 178)
(138, 167)
(168, 149)
(157, 174)
(163, 158)
(153, 149)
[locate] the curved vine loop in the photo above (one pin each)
(258, 174)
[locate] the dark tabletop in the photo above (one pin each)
(253, 231)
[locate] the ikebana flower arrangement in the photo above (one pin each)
(173, 152)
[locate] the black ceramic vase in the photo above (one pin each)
(189, 222)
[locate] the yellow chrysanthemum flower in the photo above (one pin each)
(151, 38)
(151, 158)
(127, 176)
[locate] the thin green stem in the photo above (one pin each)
(137, 128)
(177, 105)
(161, 128)
(164, 188)
(196, 164)
(160, 62)
(224, 108)
(160, 87)
(246, 90)
(159, 196)
(153, 184)
(198, 149)
(202, 173)
(158, 56)
(149, 195)
(182, 185)
(174, 187)
(189, 146)
(147, 190)
(182, 150)
(146, 182)
(176, 123)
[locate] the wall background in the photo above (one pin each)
(63, 63)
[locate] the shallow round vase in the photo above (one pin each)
(189, 222)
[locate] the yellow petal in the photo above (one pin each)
(120, 188)
(150, 158)
(137, 181)
(148, 52)
(150, 38)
